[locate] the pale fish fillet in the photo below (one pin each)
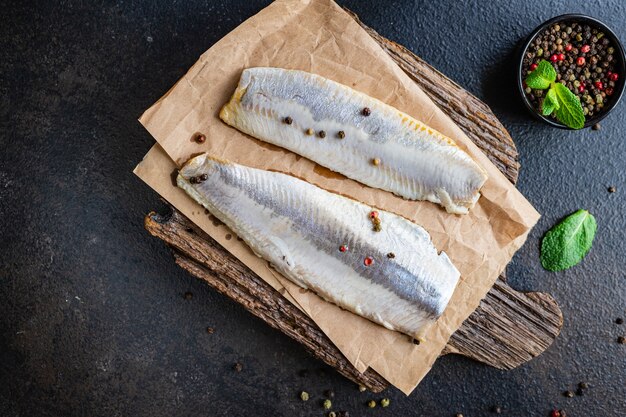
(300, 229)
(412, 160)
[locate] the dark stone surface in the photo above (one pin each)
(94, 321)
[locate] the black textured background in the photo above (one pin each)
(93, 321)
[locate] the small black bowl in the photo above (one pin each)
(618, 90)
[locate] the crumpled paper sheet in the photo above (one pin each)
(318, 36)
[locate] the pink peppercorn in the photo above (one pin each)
(561, 57)
(568, 47)
(613, 77)
(580, 61)
(533, 67)
(554, 58)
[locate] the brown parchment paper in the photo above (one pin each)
(318, 36)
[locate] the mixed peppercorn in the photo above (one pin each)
(584, 59)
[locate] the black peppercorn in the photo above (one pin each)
(341, 134)
(366, 111)
(321, 134)
(288, 120)
(618, 320)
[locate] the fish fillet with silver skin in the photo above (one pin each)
(326, 243)
(363, 138)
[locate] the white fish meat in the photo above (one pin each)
(326, 243)
(355, 135)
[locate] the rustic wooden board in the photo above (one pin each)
(508, 328)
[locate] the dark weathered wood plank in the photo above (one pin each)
(204, 258)
(508, 328)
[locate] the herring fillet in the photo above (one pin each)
(414, 161)
(300, 228)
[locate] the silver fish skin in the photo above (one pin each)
(300, 229)
(386, 149)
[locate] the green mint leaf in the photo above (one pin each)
(542, 76)
(550, 103)
(567, 243)
(570, 111)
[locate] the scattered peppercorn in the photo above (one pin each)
(304, 396)
(368, 261)
(238, 367)
(612, 189)
(203, 177)
(332, 414)
(496, 409)
(580, 392)
(377, 227)
(188, 295)
(193, 180)
(210, 330)
(371, 403)
(391, 255)
(329, 393)
(621, 340)
(618, 320)
(583, 385)
(373, 214)
(200, 138)
(366, 111)
(288, 120)
(568, 394)
(341, 134)
(416, 341)
(375, 161)
(596, 126)
(343, 248)
(458, 415)
(362, 388)
(321, 134)
(384, 402)
(309, 132)
(327, 404)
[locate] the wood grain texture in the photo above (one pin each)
(506, 330)
(203, 257)
(473, 116)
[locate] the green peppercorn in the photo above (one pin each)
(371, 403)
(539, 52)
(309, 132)
(384, 402)
(332, 414)
(327, 404)
(304, 396)
(362, 388)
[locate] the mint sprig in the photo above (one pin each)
(567, 243)
(559, 99)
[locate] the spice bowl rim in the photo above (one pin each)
(620, 54)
